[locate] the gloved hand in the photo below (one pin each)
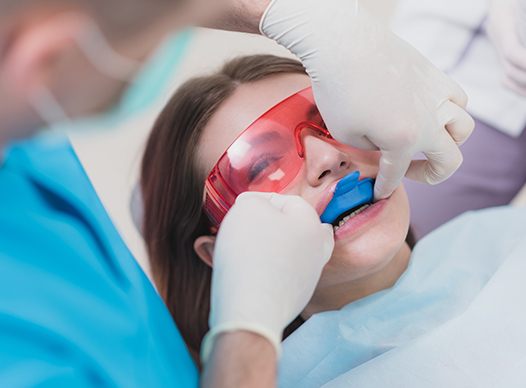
(374, 90)
(268, 258)
(506, 28)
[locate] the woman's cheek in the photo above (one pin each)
(300, 187)
(373, 249)
(350, 263)
(365, 252)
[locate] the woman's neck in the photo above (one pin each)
(335, 297)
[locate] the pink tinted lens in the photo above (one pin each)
(266, 157)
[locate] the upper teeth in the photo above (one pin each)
(347, 218)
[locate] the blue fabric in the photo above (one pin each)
(460, 300)
(75, 308)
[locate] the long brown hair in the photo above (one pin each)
(172, 188)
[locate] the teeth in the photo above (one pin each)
(347, 218)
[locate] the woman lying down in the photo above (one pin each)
(253, 126)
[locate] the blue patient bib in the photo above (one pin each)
(75, 307)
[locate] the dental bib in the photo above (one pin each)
(455, 318)
(350, 193)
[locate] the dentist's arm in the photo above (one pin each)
(241, 359)
(373, 89)
(237, 15)
(268, 257)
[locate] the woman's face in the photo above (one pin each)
(367, 242)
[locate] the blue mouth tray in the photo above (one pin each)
(350, 192)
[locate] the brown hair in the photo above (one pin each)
(172, 188)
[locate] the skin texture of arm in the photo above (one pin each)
(241, 359)
(238, 15)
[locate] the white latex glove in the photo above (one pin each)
(374, 90)
(268, 258)
(507, 30)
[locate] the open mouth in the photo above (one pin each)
(351, 197)
(347, 215)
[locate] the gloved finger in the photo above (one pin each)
(286, 204)
(253, 195)
(457, 121)
(393, 166)
(515, 74)
(364, 143)
(442, 161)
(280, 202)
(512, 85)
(294, 205)
(327, 232)
(513, 51)
(456, 93)
(271, 201)
(358, 141)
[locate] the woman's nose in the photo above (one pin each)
(323, 160)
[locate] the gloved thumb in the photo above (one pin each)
(251, 195)
(328, 241)
(393, 167)
(293, 205)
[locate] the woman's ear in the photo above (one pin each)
(204, 248)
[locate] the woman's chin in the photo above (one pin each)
(380, 217)
(377, 238)
(360, 260)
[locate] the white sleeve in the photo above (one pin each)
(441, 30)
(451, 34)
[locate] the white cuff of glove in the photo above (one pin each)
(211, 336)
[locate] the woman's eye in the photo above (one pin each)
(261, 165)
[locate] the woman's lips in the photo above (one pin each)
(360, 220)
(327, 197)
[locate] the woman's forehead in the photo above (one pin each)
(245, 105)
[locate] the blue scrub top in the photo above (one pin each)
(75, 307)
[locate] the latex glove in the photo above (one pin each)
(506, 28)
(374, 90)
(268, 258)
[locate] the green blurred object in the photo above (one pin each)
(155, 76)
(149, 85)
